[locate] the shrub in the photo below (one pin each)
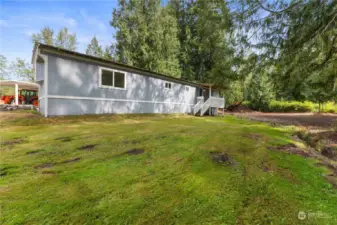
(291, 106)
(294, 106)
(330, 107)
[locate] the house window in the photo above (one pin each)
(119, 79)
(168, 85)
(200, 92)
(112, 78)
(107, 78)
(187, 88)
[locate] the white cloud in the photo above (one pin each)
(33, 20)
(92, 21)
(21, 30)
(57, 18)
(3, 23)
(30, 32)
(83, 39)
(72, 22)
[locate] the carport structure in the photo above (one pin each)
(18, 85)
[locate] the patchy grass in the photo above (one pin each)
(145, 169)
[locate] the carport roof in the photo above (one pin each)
(21, 84)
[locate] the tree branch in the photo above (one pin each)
(277, 12)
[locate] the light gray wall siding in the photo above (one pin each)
(143, 94)
(77, 107)
(42, 106)
(39, 71)
(41, 89)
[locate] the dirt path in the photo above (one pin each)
(310, 120)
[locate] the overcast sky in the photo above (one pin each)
(19, 19)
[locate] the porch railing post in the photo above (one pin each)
(16, 94)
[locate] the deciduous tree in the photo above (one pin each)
(3, 67)
(22, 70)
(45, 36)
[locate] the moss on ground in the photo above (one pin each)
(147, 169)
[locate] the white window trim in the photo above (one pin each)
(113, 78)
(168, 83)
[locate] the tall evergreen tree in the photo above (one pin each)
(259, 91)
(107, 53)
(94, 48)
(204, 28)
(63, 39)
(298, 38)
(146, 36)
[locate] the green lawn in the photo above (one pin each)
(77, 170)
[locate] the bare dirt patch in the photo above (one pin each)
(264, 166)
(51, 164)
(291, 149)
(159, 137)
(7, 116)
(64, 139)
(222, 158)
(134, 151)
(330, 152)
(324, 142)
(6, 170)
(87, 147)
(4, 190)
(270, 167)
(33, 152)
(238, 108)
(311, 120)
(331, 135)
(332, 179)
(253, 136)
(332, 176)
(135, 141)
(3, 172)
(12, 142)
(131, 121)
(312, 153)
(126, 142)
(71, 160)
(44, 165)
(48, 172)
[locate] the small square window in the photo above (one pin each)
(168, 85)
(187, 88)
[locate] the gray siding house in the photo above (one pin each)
(72, 83)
